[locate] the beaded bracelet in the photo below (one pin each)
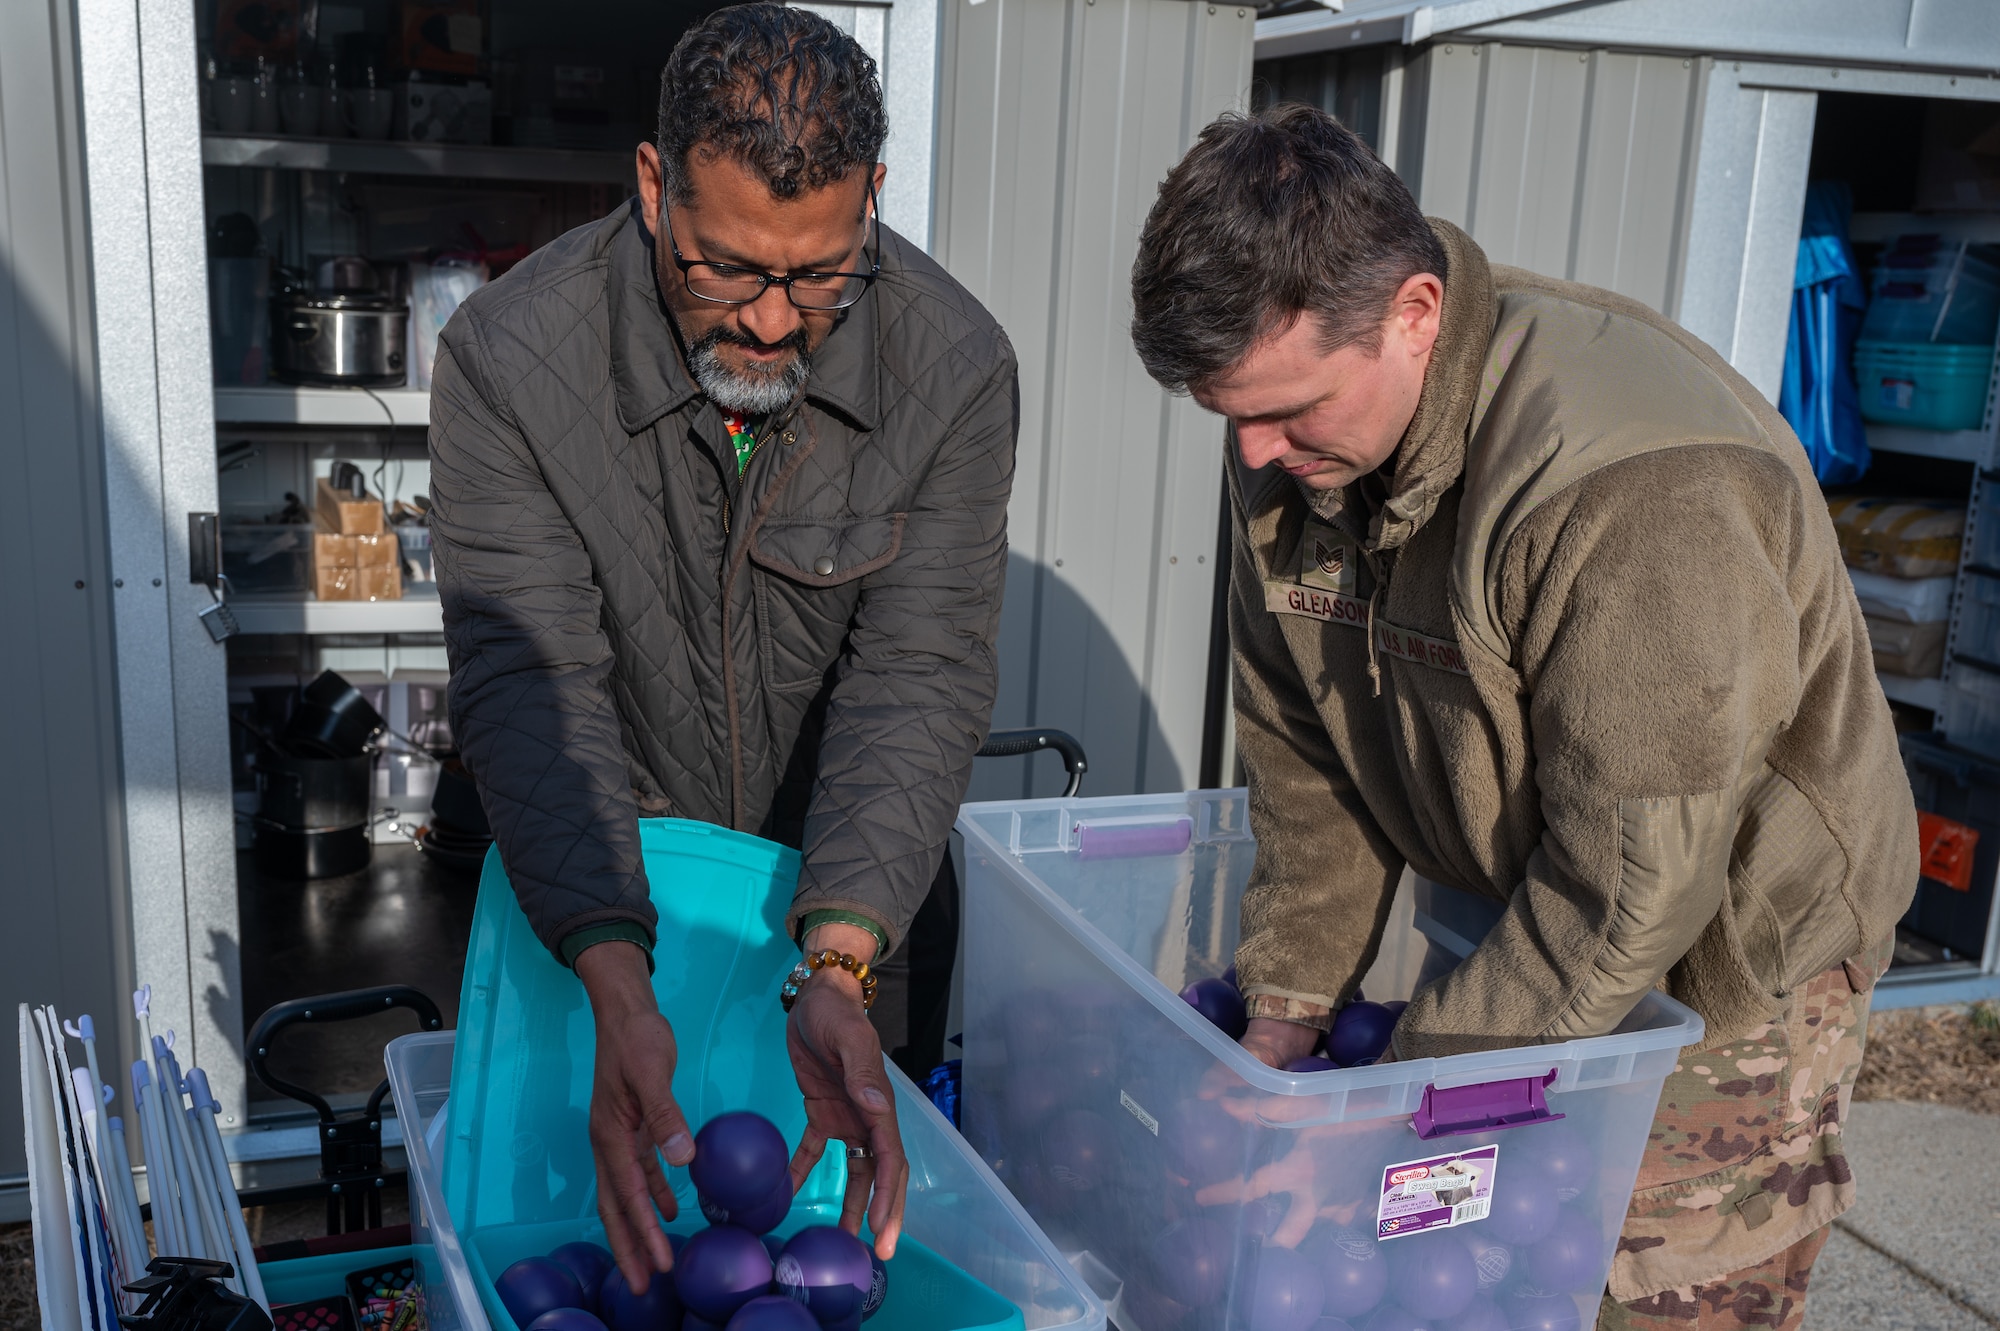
(821, 959)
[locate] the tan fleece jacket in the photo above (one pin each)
(1624, 687)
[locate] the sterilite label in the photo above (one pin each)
(1437, 1193)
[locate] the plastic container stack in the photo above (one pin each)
(1202, 1190)
(501, 1167)
(1925, 354)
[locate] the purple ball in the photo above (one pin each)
(760, 1219)
(773, 1245)
(565, 1319)
(1229, 977)
(1280, 1291)
(1027, 1102)
(1192, 1261)
(739, 1160)
(1524, 1206)
(1360, 1033)
(1078, 1151)
(1559, 1153)
(772, 1312)
(1482, 1314)
(1531, 1310)
(720, 1270)
(878, 1286)
(827, 1269)
(1353, 1272)
(657, 1309)
(1218, 1001)
(1204, 1144)
(1395, 1317)
(689, 1322)
(1570, 1256)
(1492, 1259)
(1432, 1275)
(1310, 1064)
(589, 1263)
(536, 1285)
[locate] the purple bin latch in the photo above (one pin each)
(1484, 1106)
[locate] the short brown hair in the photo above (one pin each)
(1269, 217)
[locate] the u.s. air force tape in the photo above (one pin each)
(1392, 640)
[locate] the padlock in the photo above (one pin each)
(219, 619)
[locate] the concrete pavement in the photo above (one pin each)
(1920, 1251)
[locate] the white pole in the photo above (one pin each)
(206, 1107)
(187, 1169)
(159, 1170)
(126, 1205)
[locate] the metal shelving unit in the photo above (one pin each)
(281, 404)
(271, 614)
(394, 158)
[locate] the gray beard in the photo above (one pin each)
(749, 392)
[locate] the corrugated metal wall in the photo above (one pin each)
(63, 883)
(1576, 164)
(1057, 121)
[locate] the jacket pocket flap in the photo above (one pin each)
(825, 554)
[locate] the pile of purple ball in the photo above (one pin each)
(1360, 1031)
(733, 1276)
(1533, 1264)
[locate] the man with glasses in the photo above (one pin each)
(720, 490)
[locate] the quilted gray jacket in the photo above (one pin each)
(806, 654)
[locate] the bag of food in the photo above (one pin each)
(1915, 650)
(1904, 538)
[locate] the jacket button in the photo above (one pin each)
(823, 566)
(790, 437)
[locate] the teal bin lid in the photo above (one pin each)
(519, 1149)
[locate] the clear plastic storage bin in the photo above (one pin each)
(1930, 290)
(1970, 716)
(1979, 616)
(1206, 1191)
(500, 1165)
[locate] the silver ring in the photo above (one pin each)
(860, 1153)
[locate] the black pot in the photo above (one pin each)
(332, 720)
(455, 802)
(313, 794)
(290, 853)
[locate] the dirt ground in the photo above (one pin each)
(1946, 1056)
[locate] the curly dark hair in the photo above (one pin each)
(779, 89)
(1270, 217)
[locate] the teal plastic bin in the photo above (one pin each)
(1931, 386)
(507, 1172)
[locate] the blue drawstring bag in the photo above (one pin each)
(1818, 397)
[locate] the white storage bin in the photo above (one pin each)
(1174, 1166)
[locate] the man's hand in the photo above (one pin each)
(838, 1061)
(632, 1109)
(1276, 1043)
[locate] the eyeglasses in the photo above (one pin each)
(728, 284)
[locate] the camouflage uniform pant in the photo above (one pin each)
(1744, 1170)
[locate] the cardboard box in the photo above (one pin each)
(357, 568)
(335, 511)
(446, 37)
